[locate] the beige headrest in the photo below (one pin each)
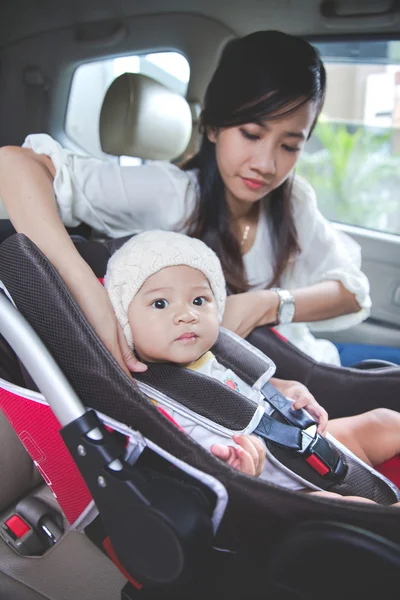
(140, 117)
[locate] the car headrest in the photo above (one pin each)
(141, 117)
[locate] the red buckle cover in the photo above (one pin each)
(317, 464)
(17, 526)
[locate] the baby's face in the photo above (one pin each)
(174, 317)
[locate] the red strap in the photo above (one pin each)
(279, 335)
(168, 416)
(110, 551)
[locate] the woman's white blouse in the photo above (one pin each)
(117, 201)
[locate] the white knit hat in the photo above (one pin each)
(149, 252)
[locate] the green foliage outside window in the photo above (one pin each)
(355, 175)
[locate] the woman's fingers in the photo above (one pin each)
(128, 357)
(243, 312)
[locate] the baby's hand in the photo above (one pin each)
(303, 398)
(248, 458)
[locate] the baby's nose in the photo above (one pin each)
(187, 315)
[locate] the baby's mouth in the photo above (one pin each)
(189, 335)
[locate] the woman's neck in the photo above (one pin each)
(241, 210)
(244, 225)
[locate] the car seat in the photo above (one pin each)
(266, 530)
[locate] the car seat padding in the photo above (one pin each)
(257, 511)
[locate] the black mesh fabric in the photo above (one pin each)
(364, 478)
(258, 513)
(205, 396)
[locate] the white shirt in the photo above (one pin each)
(118, 201)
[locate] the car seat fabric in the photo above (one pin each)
(342, 391)
(256, 509)
(42, 441)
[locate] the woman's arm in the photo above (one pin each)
(324, 300)
(325, 278)
(26, 189)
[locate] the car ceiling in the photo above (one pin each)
(25, 18)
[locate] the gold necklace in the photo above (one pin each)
(245, 235)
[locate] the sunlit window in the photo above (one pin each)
(353, 157)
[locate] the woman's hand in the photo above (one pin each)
(302, 398)
(96, 305)
(247, 457)
(128, 358)
(244, 312)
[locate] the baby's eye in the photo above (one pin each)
(199, 301)
(162, 303)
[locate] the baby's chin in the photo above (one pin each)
(186, 356)
(182, 357)
(186, 359)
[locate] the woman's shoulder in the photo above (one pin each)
(117, 199)
(42, 143)
(175, 172)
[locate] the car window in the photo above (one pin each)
(91, 81)
(353, 158)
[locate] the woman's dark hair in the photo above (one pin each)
(263, 75)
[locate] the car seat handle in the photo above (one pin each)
(39, 363)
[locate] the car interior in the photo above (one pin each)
(123, 81)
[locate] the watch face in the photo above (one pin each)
(287, 309)
(287, 313)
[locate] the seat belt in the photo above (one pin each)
(302, 430)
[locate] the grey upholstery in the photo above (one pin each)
(73, 569)
(141, 117)
(17, 472)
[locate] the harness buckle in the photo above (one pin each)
(321, 456)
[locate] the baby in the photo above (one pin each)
(168, 293)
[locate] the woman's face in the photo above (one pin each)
(255, 158)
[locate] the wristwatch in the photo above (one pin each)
(286, 306)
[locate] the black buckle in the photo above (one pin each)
(32, 528)
(321, 456)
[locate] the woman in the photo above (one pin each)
(238, 194)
